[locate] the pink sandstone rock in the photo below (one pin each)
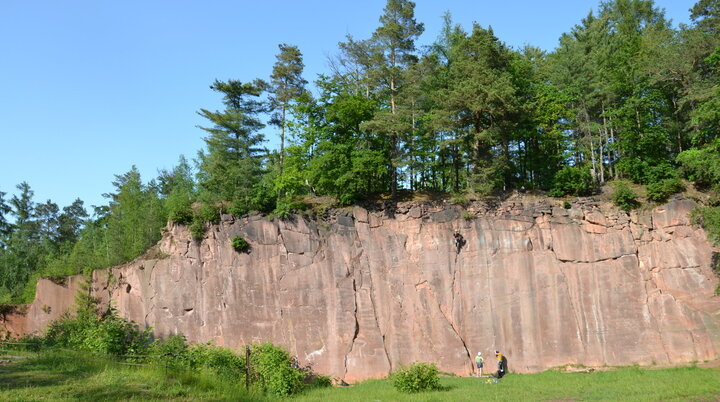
(372, 290)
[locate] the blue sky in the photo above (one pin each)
(90, 88)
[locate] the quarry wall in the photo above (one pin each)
(367, 289)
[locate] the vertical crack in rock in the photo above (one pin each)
(370, 290)
(657, 323)
(153, 293)
(655, 320)
(426, 285)
(574, 308)
(490, 301)
(452, 307)
(374, 309)
(598, 316)
(357, 326)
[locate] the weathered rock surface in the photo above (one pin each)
(376, 288)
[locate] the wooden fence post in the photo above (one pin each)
(247, 367)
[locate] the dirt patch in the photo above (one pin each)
(711, 364)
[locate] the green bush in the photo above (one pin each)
(459, 199)
(106, 334)
(319, 380)
(661, 190)
(272, 369)
(702, 166)
(218, 360)
(209, 213)
(286, 206)
(624, 197)
(416, 378)
(172, 351)
(197, 229)
(182, 216)
(573, 180)
(709, 219)
(239, 208)
(240, 245)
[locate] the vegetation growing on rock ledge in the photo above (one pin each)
(240, 245)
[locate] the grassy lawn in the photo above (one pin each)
(627, 384)
(69, 376)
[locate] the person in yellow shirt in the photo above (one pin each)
(501, 364)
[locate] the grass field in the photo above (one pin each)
(68, 376)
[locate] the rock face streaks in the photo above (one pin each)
(366, 291)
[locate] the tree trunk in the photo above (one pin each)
(282, 139)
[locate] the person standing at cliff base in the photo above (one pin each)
(479, 363)
(501, 364)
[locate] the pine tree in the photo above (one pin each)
(286, 85)
(233, 162)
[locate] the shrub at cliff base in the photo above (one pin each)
(175, 352)
(272, 370)
(416, 377)
(106, 334)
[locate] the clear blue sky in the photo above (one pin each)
(90, 88)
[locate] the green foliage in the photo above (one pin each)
(319, 381)
(709, 219)
(174, 351)
(233, 163)
(416, 377)
(183, 215)
(702, 165)
(218, 360)
(135, 219)
(65, 375)
(272, 368)
(333, 155)
(660, 191)
(573, 180)
(197, 229)
(106, 334)
(240, 245)
(72, 375)
(459, 199)
(624, 197)
(239, 208)
(209, 213)
(178, 188)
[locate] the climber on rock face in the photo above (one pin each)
(458, 240)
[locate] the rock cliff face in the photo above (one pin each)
(372, 289)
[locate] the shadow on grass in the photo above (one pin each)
(45, 370)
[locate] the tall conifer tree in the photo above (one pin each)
(286, 85)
